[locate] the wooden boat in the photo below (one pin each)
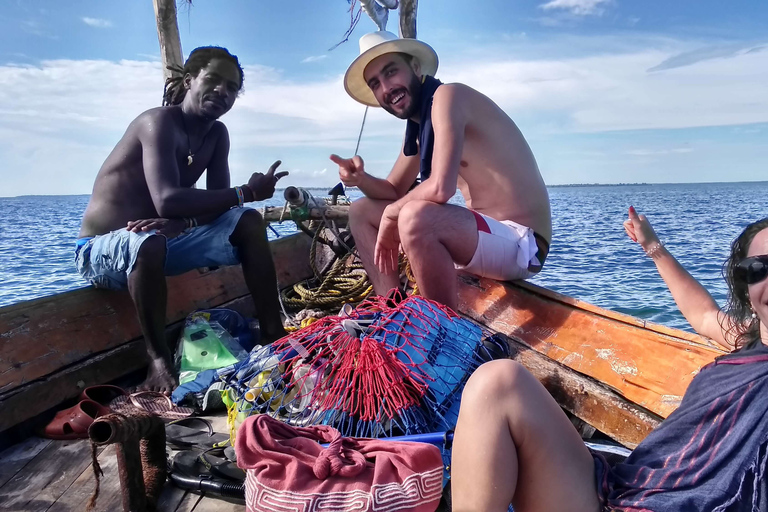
(615, 373)
(620, 374)
(612, 372)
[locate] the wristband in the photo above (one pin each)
(240, 198)
(653, 250)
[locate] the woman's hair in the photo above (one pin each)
(738, 323)
(174, 90)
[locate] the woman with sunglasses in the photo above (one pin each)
(514, 444)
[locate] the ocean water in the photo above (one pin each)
(591, 257)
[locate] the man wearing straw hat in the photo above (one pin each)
(455, 137)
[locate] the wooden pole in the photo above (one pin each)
(338, 213)
(408, 10)
(168, 36)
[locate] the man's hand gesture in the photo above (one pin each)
(387, 252)
(639, 230)
(351, 170)
(263, 185)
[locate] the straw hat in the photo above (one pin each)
(375, 45)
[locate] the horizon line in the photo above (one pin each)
(559, 185)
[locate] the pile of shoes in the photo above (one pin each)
(201, 459)
(97, 401)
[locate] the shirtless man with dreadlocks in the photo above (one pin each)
(145, 219)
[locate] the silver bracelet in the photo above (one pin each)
(653, 250)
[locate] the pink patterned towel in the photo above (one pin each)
(288, 469)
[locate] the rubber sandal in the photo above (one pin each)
(207, 464)
(219, 465)
(179, 434)
(102, 394)
(150, 401)
(73, 423)
(187, 463)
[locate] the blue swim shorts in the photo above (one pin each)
(106, 260)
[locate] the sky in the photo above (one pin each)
(605, 91)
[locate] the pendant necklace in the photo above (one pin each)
(191, 154)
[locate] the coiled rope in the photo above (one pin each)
(344, 282)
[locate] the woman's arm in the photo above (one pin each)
(694, 301)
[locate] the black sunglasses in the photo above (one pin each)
(752, 270)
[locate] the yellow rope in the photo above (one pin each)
(405, 270)
(345, 282)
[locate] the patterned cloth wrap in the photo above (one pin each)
(378, 371)
(288, 468)
(710, 454)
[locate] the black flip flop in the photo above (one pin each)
(180, 435)
(220, 465)
(207, 464)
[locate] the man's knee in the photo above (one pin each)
(502, 379)
(249, 227)
(415, 222)
(361, 212)
(152, 253)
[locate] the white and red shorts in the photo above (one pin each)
(506, 250)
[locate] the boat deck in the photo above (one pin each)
(41, 475)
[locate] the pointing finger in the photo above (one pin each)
(633, 214)
(339, 161)
(273, 167)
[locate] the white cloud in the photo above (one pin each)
(615, 92)
(97, 22)
(722, 51)
(314, 58)
(576, 7)
(60, 119)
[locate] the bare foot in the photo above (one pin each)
(159, 378)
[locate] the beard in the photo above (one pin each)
(414, 93)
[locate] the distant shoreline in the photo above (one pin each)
(571, 185)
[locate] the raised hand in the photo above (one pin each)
(171, 228)
(351, 170)
(263, 185)
(639, 230)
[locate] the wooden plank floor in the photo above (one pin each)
(40, 475)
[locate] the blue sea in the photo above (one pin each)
(591, 257)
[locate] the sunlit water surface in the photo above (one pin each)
(591, 258)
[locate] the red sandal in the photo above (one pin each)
(73, 423)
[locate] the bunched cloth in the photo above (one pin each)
(289, 469)
(420, 137)
(710, 454)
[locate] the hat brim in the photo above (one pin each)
(354, 82)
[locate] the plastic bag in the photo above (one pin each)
(234, 323)
(205, 345)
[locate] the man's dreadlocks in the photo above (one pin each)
(174, 91)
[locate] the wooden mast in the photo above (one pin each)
(408, 10)
(168, 35)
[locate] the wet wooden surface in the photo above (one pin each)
(41, 475)
(588, 399)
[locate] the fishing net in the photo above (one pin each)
(374, 371)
